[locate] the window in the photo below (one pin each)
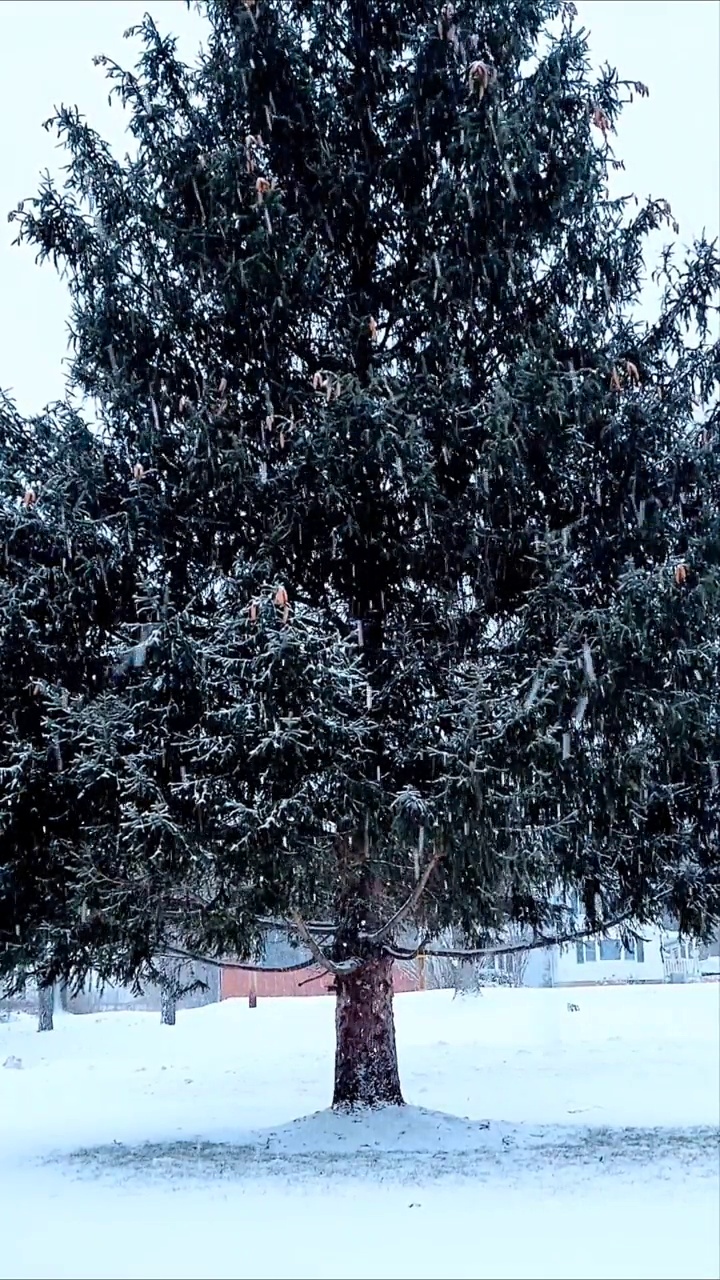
(635, 950)
(610, 949)
(585, 951)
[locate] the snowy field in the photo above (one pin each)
(578, 1144)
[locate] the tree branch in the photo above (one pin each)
(314, 926)
(314, 977)
(249, 966)
(340, 969)
(507, 948)
(411, 904)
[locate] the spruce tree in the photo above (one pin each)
(66, 584)
(425, 518)
(41, 648)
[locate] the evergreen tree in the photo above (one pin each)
(425, 519)
(65, 584)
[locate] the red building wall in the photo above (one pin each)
(241, 983)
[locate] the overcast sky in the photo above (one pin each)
(670, 142)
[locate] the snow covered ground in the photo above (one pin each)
(541, 1142)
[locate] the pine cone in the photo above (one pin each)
(601, 121)
(481, 75)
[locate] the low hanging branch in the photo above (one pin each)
(314, 926)
(508, 948)
(344, 968)
(178, 953)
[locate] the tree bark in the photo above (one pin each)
(168, 1006)
(366, 1065)
(46, 1004)
(169, 987)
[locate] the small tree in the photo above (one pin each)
(46, 1007)
(170, 988)
(424, 518)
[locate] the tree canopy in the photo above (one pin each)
(421, 515)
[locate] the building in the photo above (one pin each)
(658, 955)
(597, 961)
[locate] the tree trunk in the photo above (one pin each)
(169, 988)
(366, 1065)
(168, 1006)
(46, 1004)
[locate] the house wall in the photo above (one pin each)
(599, 965)
(664, 958)
(591, 963)
(240, 983)
(272, 978)
(540, 968)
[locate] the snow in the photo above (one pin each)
(540, 1142)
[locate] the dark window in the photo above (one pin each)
(580, 949)
(610, 949)
(640, 951)
(590, 951)
(629, 950)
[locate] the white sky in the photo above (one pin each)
(670, 142)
